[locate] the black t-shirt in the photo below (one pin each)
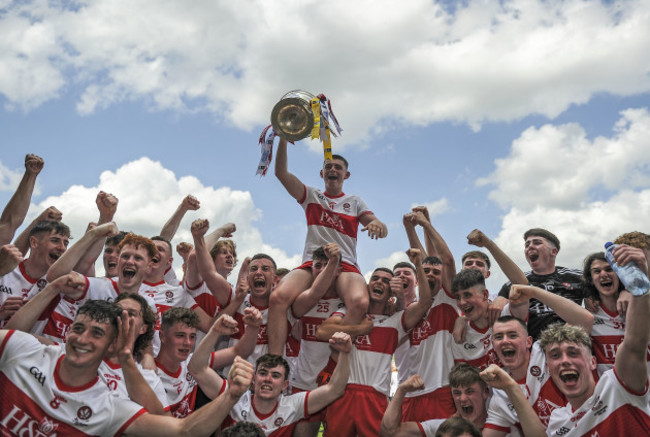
(563, 282)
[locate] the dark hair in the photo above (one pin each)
(159, 238)
(319, 254)
(148, 317)
(588, 288)
(539, 232)
(506, 319)
(101, 311)
(467, 279)
(432, 260)
(404, 264)
(178, 314)
(115, 240)
(50, 227)
(340, 158)
(456, 426)
(269, 361)
(265, 256)
(383, 269)
(243, 429)
(477, 254)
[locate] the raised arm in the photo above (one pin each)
(16, 209)
(107, 206)
(10, 257)
(199, 365)
(431, 249)
(137, 387)
(72, 285)
(414, 312)
(496, 377)
(189, 203)
(309, 298)
(630, 362)
(71, 257)
(22, 240)
(409, 225)
(566, 309)
(391, 424)
(217, 284)
(205, 420)
(441, 249)
(324, 395)
(291, 183)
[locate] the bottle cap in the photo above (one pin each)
(609, 243)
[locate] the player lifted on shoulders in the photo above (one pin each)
(332, 216)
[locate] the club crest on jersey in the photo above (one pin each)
(278, 422)
(84, 413)
(535, 371)
(169, 295)
(41, 284)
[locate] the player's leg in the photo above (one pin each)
(294, 283)
(352, 288)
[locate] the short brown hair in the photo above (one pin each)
(179, 315)
(539, 232)
(476, 254)
(464, 375)
(269, 361)
(229, 244)
(559, 333)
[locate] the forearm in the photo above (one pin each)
(217, 284)
(25, 318)
(443, 252)
(246, 345)
(22, 240)
(171, 226)
(528, 419)
(507, 265)
(310, 297)
(15, 211)
(414, 240)
(567, 310)
(201, 357)
(139, 391)
(341, 374)
(416, 311)
(392, 420)
(326, 330)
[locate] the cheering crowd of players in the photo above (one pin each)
(139, 351)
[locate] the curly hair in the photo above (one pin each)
(588, 288)
(178, 314)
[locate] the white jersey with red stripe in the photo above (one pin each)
(170, 277)
(19, 283)
(612, 410)
(262, 343)
(36, 402)
(313, 353)
(56, 320)
(180, 387)
(279, 423)
(541, 392)
(477, 348)
(113, 376)
(372, 354)
(332, 220)
(204, 298)
(431, 341)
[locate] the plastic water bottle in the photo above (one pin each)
(635, 281)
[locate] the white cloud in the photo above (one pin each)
(558, 166)
(148, 194)
(388, 262)
(9, 179)
(414, 63)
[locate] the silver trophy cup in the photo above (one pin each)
(292, 116)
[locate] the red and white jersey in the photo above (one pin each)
(18, 283)
(180, 387)
(372, 354)
(170, 277)
(113, 377)
(204, 298)
(36, 402)
(166, 296)
(431, 341)
(612, 410)
(57, 318)
(477, 348)
(332, 220)
(262, 343)
(541, 392)
(313, 353)
(279, 423)
(428, 428)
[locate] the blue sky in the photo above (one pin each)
(498, 115)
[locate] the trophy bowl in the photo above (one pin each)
(292, 116)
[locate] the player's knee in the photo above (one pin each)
(280, 298)
(357, 304)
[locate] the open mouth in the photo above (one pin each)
(258, 283)
(128, 273)
(569, 376)
(533, 257)
(55, 256)
(508, 353)
(606, 284)
(332, 177)
(466, 410)
(377, 292)
(468, 309)
(112, 265)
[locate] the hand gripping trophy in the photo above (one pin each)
(296, 116)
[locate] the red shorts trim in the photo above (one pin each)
(345, 267)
